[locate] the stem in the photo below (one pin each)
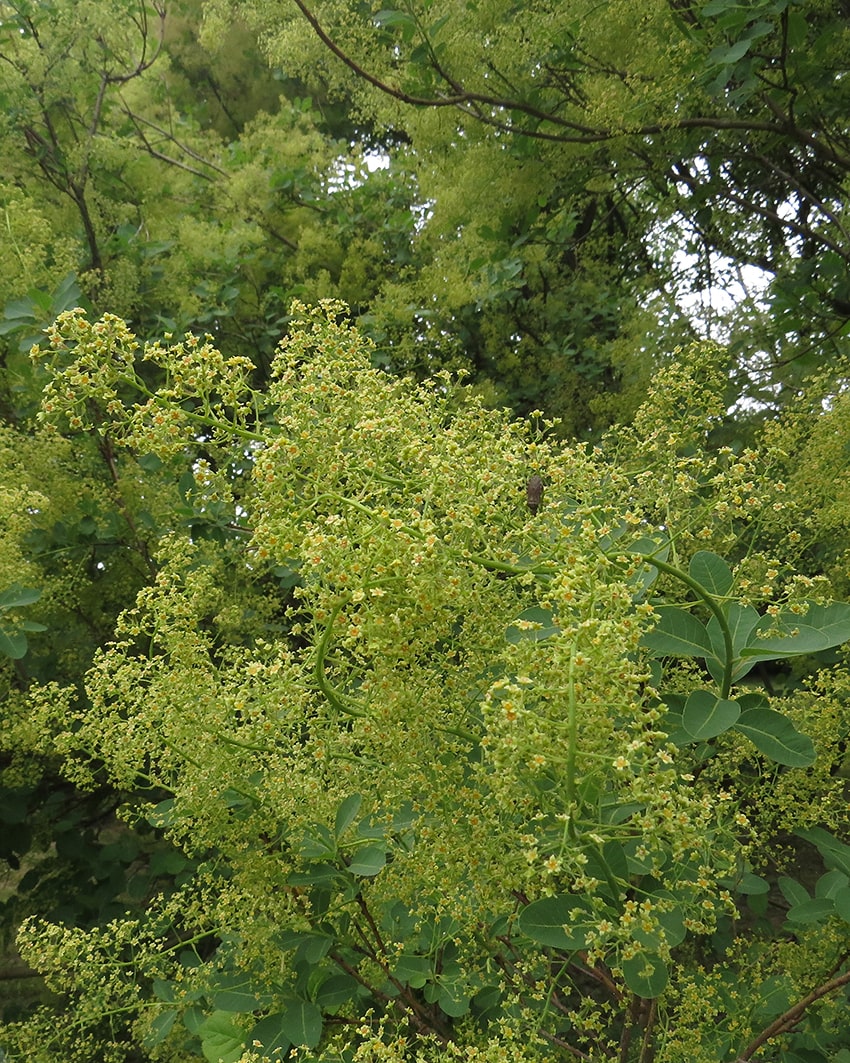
(792, 1016)
(319, 669)
(647, 1047)
(711, 602)
(572, 739)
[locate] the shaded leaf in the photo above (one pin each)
(776, 737)
(16, 596)
(368, 861)
(822, 627)
(792, 891)
(561, 922)
(301, 1022)
(270, 1033)
(706, 715)
(677, 634)
(535, 624)
(222, 1041)
(646, 975)
(346, 814)
(13, 644)
(834, 852)
(711, 572)
(814, 910)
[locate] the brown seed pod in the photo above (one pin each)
(534, 493)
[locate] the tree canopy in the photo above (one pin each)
(559, 185)
(423, 611)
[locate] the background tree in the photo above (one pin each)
(588, 169)
(410, 769)
(532, 201)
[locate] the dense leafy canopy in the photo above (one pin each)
(344, 713)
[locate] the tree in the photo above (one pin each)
(427, 772)
(141, 178)
(589, 168)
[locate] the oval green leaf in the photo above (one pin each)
(269, 1032)
(677, 634)
(711, 572)
(535, 624)
(776, 737)
(346, 814)
(562, 922)
(368, 861)
(646, 975)
(706, 715)
(841, 900)
(222, 1041)
(301, 1022)
(13, 644)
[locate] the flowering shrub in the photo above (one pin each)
(462, 738)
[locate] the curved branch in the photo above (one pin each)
(792, 1016)
(580, 133)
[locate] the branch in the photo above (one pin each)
(467, 101)
(138, 122)
(792, 1016)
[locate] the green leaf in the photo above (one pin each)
(413, 970)
(222, 1041)
(540, 623)
(706, 715)
(336, 991)
(830, 883)
(811, 911)
(711, 572)
(792, 891)
(346, 814)
(368, 861)
(317, 843)
(647, 573)
(673, 923)
(562, 922)
(235, 1000)
(270, 1033)
(646, 975)
(776, 737)
(834, 852)
(301, 1023)
(727, 55)
(841, 900)
(394, 18)
(741, 621)
(13, 644)
(677, 634)
(752, 885)
(313, 947)
(453, 1000)
(322, 874)
(160, 1028)
(16, 596)
(822, 627)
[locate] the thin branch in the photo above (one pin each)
(792, 1016)
(467, 101)
(138, 122)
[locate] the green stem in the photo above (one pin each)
(241, 745)
(319, 669)
(197, 418)
(572, 739)
(711, 602)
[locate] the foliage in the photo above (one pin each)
(546, 211)
(421, 758)
(592, 171)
